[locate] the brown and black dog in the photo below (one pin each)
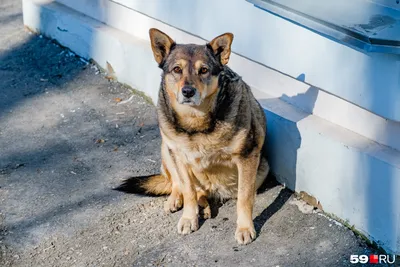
(213, 133)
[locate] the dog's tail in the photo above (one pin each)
(155, 185)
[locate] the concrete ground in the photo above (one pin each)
(69, 135)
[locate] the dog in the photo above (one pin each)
(213, 133)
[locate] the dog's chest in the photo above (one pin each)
(204, 156)
(201, 152)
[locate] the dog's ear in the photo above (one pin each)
(221, 46)
(160, 44)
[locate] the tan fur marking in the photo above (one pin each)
(199, 64)
(181, 63)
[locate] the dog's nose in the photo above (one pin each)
(188, 91)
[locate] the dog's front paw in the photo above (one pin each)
(188, 225)
(245, 235)
(205, 213)
(173, 203)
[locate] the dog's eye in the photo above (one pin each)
(203, 70)
(177, 70)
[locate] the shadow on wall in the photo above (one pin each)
(280, 129)
(283, 142)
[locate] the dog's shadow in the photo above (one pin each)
(275, 206)
(260, 220)
(130, 186)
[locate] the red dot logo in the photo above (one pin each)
(373, 259)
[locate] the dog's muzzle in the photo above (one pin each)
(189, 96)
(188, 91)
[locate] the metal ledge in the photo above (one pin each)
(361, 24)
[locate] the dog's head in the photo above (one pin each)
(190, 71)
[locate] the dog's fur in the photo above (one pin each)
(212, 142)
